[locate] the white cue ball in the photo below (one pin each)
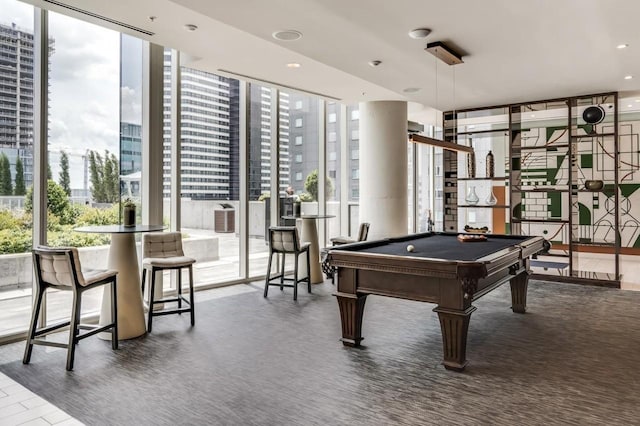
(410, 248)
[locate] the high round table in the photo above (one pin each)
(123, 257)
(310, 235)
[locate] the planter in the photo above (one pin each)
(129, 216)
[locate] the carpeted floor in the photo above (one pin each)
(573, 358)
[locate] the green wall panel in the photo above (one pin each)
(555, 207)
(626, 189)
(584, 214)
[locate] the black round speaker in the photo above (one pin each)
(593, 114)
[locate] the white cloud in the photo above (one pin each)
(131, 105)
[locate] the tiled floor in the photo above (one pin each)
(19, 406)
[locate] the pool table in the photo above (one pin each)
(441, 269)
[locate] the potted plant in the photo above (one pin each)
(296, 206)
(129, 213)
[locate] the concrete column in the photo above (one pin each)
(383, 168)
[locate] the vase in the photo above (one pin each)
(491, 199)
(472, 197)
(129, 216)
(471, 165)
(491, 168)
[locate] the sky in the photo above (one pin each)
(84, 86)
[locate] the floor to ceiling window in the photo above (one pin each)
(425, 188)
(299, 150)
(131, 118)
(260, 128)
(16, 163)
(209, 171)
(334, 123)
(84, 144)
(353, 166)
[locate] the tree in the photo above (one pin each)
(105, 177)
(111, 178)
(96, 171)
(19, 188)
(57, 200)
(64, 173)
(311, 185)
(6, 188)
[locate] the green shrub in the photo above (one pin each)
(16, 228)
(67, 237)
(15, 241)
(94, 216)
(305, 197)
(8, 220)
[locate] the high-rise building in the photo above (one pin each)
(130, 148)
(16, 97)
(209, 145)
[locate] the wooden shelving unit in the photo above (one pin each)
(546, 161)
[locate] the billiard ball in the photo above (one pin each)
(410, 248)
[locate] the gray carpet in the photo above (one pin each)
(573, 358)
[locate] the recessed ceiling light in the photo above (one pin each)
(411, 90)
(374, 63)
(293, 65)
(630, 105)
(287, 35)
(637, 100)
(190, 27)
(533, 115)
(153, 18)
(471, 126)
(419, 33)
(622, 46)
(628, 77)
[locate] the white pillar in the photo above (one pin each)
(383, 168)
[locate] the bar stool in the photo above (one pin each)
(285, 240)
(60, 269)
(162, 251)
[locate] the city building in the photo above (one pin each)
(16, 97)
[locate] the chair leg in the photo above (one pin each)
(152, 289)
(179, 290)
(32, 328)
(114, 314)
(144, 277)
(266, 284)
(284, 258)
(193, 302)
(295, 278)
(308, 273)
(73, 329)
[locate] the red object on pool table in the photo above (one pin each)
(438, 271)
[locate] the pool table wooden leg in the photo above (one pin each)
(454, 325)
(519, 285)
(351, 311)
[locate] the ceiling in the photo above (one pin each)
(513, 51)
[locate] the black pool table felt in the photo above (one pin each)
(445, 247)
